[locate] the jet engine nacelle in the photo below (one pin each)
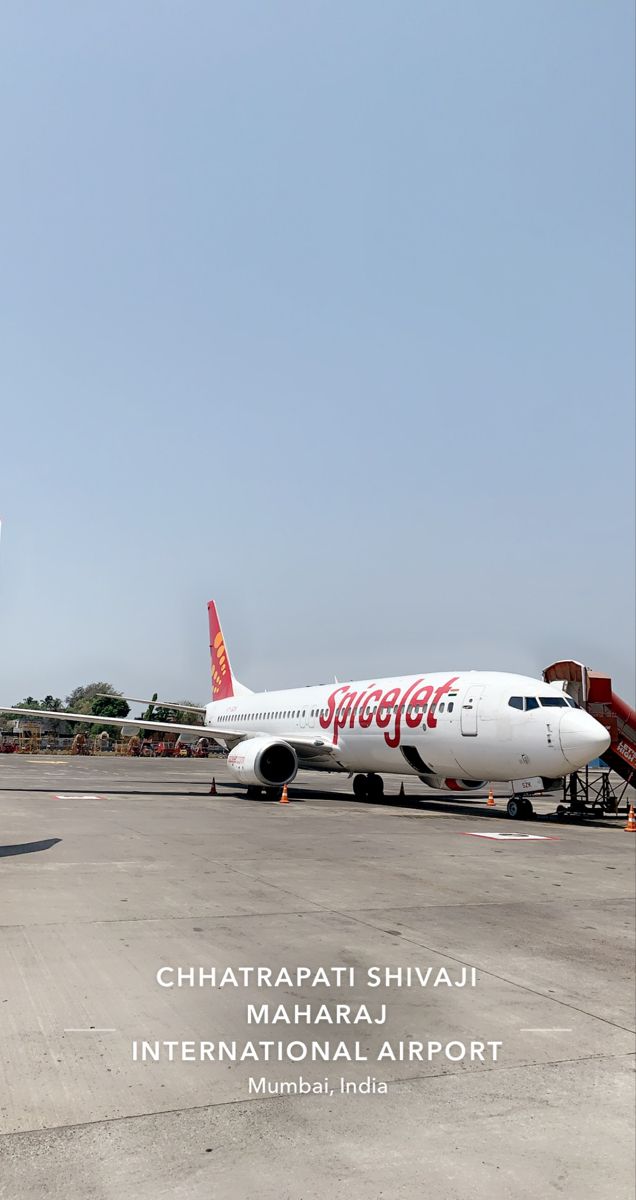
(452, 785)
(268, 762)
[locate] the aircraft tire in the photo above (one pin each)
(360, 787)
(375, 786)
(528, 810)
(514, 808)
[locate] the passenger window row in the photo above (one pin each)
(411, 709)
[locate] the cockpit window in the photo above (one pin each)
(527, 703)
(572, 703)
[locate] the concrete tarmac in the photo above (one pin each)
(111, 869)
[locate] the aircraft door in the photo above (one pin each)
(470, 711)
(305, 720)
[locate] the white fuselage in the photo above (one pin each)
(472, 725)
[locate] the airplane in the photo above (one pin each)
(454, 730)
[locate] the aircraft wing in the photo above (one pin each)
(197, 708)
(307, 745)
(122, 722)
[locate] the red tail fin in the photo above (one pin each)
(222, 683)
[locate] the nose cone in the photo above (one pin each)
(582, 738)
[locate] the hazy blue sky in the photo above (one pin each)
(324, 309)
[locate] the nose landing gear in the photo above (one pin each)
(368, 787)
(520, 808)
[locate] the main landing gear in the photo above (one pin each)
(520, 808)
(368, 787)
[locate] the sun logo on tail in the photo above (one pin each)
(222, 682)
(219, 660)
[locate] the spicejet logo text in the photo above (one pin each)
(387, 709)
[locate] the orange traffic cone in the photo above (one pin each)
(212, 791)
(491, 798)
(284, 798)
(631, 821)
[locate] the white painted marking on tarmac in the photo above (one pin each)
(77, 796)
(511, 837)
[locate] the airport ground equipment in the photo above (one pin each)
(29, 741)
(592, 791)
